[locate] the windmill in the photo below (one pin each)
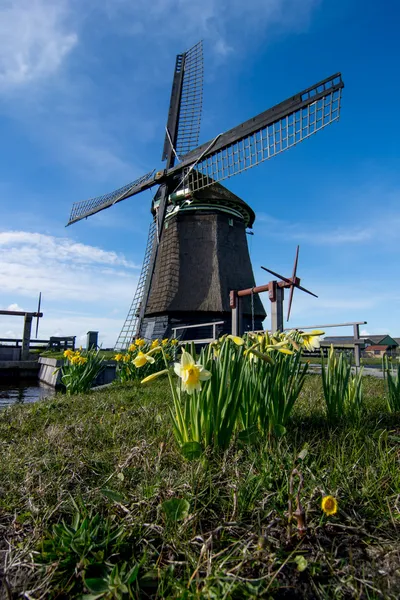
(196, 249)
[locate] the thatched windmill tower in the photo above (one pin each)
(197, 247)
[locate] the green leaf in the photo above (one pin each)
(97, 585)
(112, 495)
(249, 435)
(176, 509)
(191, 450)
(279, 430)
(301, 562)
(132, 575)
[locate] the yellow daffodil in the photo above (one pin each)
(141, 359)
(68, 353)
(329, 505)
(118, 357)
(174, 342)
(140, 342)
(126, 358)
(155, 343)
(258, 354)
(191, 373)
(82, 360)
(311, 340)
(132, 348)
(236, 340)
(154, 376)
(165, 341)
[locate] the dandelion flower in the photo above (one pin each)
(191, 373)
(329, 505)
(142, 359)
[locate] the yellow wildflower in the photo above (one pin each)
(82, 360)
(311, 340)
(165, 341)
(154, 376)
(140, 342)
(191, 373)
(132, 348)
(75, 360)
(68, 353)
(174, 342)
(155, 343)
(126, 358)
(118, 357)
(141, 359)
(329, 505)
(236, 339)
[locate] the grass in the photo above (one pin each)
(99, 468)
(106, 354)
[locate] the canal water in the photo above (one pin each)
(23, 392)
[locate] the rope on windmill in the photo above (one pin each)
(211, 144)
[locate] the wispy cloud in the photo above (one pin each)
(384, 226)
(34, 40)
(225, 24)
(64, 271)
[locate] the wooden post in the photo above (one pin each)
(234, 301)
(357, 349)
(26, 338)
(277, 309)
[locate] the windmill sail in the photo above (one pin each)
(83, 209)
(183, 127)
(132, 322)
(264, 136)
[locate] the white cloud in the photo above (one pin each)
(63, 269)
(223, 23)
(318, 235)
(34, 40)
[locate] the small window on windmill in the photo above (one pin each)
(230, 222)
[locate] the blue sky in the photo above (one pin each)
(84, 94)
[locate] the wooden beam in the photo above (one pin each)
(17, 313)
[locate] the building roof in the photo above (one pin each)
(382, 348)
(381, 340)
(344, 340)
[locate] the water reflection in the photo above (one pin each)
(23, 392)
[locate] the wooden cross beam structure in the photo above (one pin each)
(275, 291)
(26, 337)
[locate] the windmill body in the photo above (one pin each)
(197, 246)
(202, 253)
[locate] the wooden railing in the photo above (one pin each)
(198, 341)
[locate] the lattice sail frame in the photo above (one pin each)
(94, 205)
(191, 102)
(267, 141)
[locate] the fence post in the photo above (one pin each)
(357, 349)
(26, 337)
(277, 309)
(234, 302)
